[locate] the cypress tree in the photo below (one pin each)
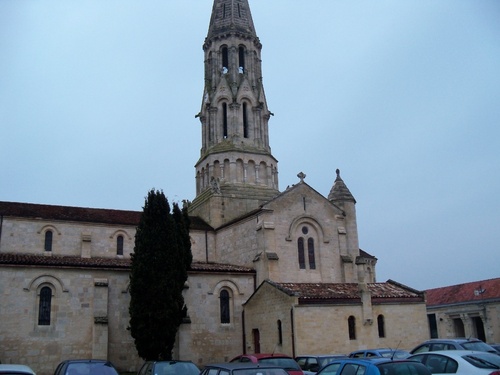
(161, 259)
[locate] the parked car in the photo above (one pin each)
(312, 363)
(375, 366)
(242, 368)
(16, 370)
(460, 362)
(273, 359)
(380, 353)
(496, 347)
(169, 368)
(85, 367)
(433, 345)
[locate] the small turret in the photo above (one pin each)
(339, 192)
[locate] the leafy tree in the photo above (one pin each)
(161, 259)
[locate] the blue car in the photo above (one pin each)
(382, 366)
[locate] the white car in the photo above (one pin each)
(16, 370)
(461, 362)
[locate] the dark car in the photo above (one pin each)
(312, 363)
(376, 366)
(85, 367)
(380, 353)
(433, 345)
(169, 368)
(242, 368)
(272, 359)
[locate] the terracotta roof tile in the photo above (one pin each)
(82, 214)
(10, 259)
(343, 292)
(463, 293)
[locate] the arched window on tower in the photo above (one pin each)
(224, 307)
(241, 60)
(48, 241)
(119, 245)
(44, 306)
(224, 120)
(381, 326)
(302, 258)
(351, 322)
(225, 60)
(245, 121)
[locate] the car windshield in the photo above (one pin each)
(394, 354)
(176, 368)
(286, 363)
(402, 368)
(325, 360)
(260, 371)
(484, 360)
(89, 368)
(477, 345)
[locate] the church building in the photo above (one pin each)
(273, 270)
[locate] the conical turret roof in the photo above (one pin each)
(339, 191)
(231, 16)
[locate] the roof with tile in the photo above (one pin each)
(329, 293)
(472, 292)
(81, 214)
(14, 260)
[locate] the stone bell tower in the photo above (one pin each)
(236, 171)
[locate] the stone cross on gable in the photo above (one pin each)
(301, 175)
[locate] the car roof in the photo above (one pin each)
(237, 365)
(455, 353)
(16, 368)
(266, 355)
(456, 339)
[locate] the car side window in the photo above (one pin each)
(351, 369)
(422, 348)
(244, 359)
(439, 364)
(331, 369)
(302, 362)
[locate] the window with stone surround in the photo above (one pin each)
(225, 311)
(301, 241)
(48, 240)
(44, 306)
(351, 323)
(119, 245)
(381, 325)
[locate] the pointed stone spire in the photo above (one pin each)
(339, 191)
(230, 16)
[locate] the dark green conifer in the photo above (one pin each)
(161, 259)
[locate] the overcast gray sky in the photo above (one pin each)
(98, 98)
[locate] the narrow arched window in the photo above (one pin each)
(351, 322)
(225, 59)
(310, 253)
(381, 326)
(48, 241)
(302, 258)
(44, 306)
(280, 333)
(224, 307)
(119, 245)
(241, 60)
(224, 120)
(245, 121)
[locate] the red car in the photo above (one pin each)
(275, 359)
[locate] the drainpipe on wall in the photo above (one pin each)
(1, 223)
(293, 332)
(206, 246)
(244, 336)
